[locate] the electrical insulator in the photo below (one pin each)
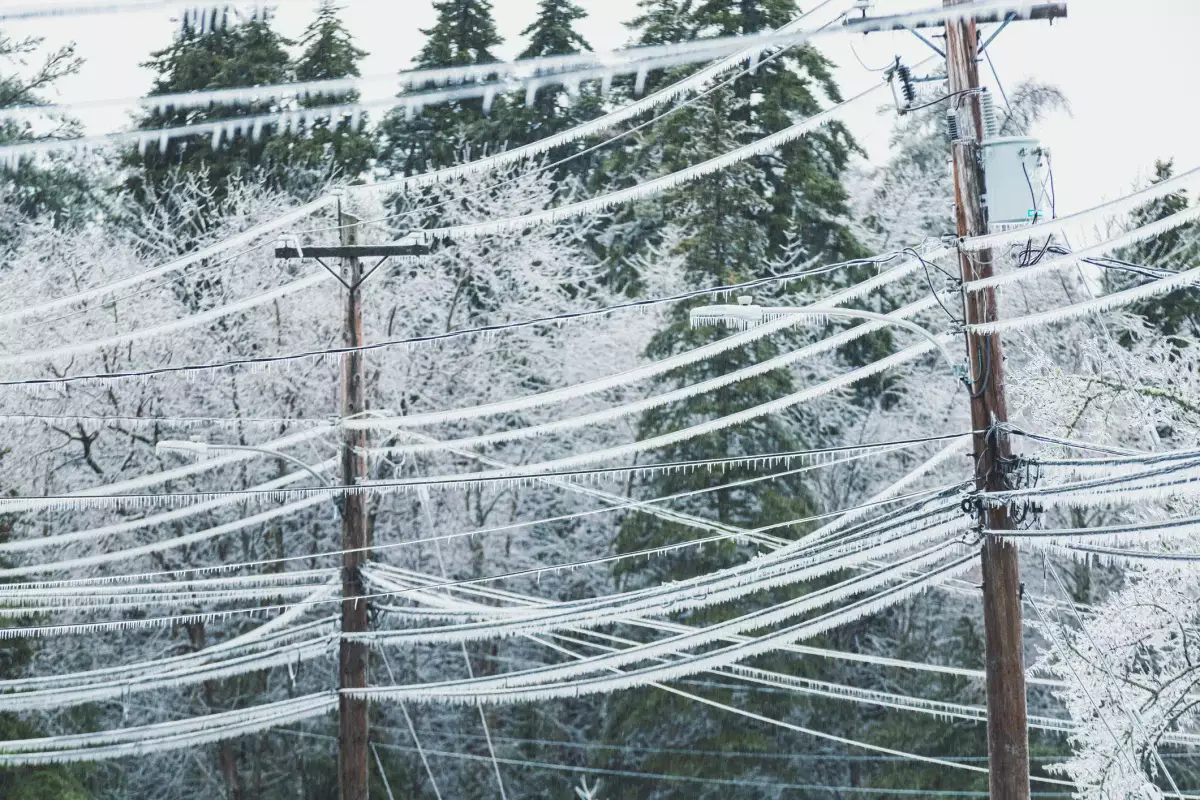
(988, 109)
(952, 125)
(906, 84)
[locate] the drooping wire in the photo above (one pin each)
(440, 337)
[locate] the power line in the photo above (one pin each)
(683, 778)
(337, 352)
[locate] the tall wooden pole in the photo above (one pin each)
(353, 776)
(1008, 736)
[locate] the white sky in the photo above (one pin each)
(1124, 66)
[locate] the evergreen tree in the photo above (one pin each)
(225, 52)
(554, 108)
(329, 148)
(52, 185)
(463, 35)
(741, 223)
(1177, 313)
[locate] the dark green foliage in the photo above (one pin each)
(463, 35)
(29, 783)
(329, 149)
(1178, 312)
(52, 185)
(554, 108)
(242, 52)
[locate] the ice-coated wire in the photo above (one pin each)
(508, 476)
(654, 57)
(668, 599)
(1147, 231)
(237, 240)
(624, 504)
(174, 326)
(177, 473)
(104, 531)
(655, 401)
(1094, 305)
(1120, 206)
(163, 736)
(641, 191)
(844, 295)
(526, 686)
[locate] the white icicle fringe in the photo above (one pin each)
(286, 655)
(656, 401)
(165, 544)
(609, 609)
(157, 478)
(1130, 558)
(52, 602)
(1118, 207)
(507, 477)
(623, 379)
(899, 523)
(10, 591)
(1148, 231)
(463, 83)
(643, 190)
(175, 265)
(922, 469)
(699, 637)
(1108, 301)
(513, 687)
(174, 326)
(1161, 482)
(938, 708)
(164, 736)
(238, 646)
(60, 539)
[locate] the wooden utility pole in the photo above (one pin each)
(1008, 736)
(353, 775)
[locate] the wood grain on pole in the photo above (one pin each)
(1008, 735)
(353, 775)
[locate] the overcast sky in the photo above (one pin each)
(1124, 66)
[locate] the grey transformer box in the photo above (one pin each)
(1014, 174)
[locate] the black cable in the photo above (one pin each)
(1032, 194)
(940, 99)
(539, 321)
(986, 363)
(1050, 174)
(929, 280)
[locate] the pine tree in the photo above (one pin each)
(1177, 313)
(225, 52)
(55, 185)
(329, 148)
(554, 108)
(738, 224)
(463, 35)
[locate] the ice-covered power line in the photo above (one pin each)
(516, 687)
(844, 295)
(1096, 304)
(564, 466)
(175, 265)
(521, 77)
(164, 736)
(472, 81)
(656, 186)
